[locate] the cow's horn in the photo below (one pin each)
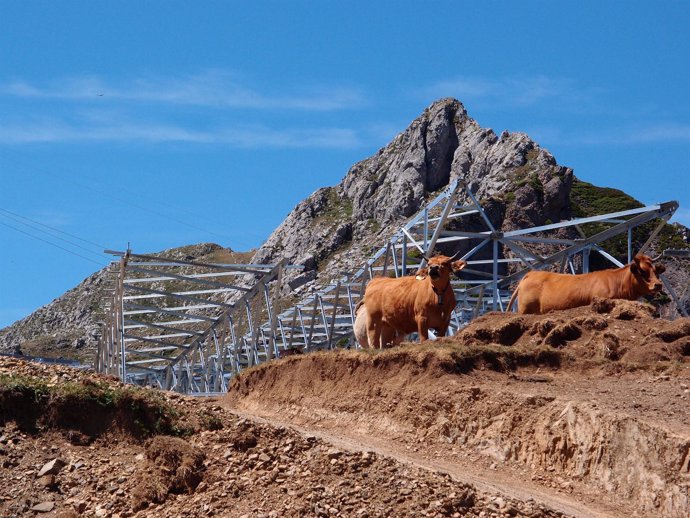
(655, 259)
(456, 255)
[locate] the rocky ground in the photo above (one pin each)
(225, 465)
(499, 421)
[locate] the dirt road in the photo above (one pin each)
(582, 413)
(585, 434)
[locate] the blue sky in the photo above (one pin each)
(169, 123)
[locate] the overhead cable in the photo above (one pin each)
(53, 244)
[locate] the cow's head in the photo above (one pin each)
(645, 274)
(440, 267)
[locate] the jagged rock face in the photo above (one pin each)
(443, 144)
(394, 182)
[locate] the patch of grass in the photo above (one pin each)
(225, 256)
(337, 208)
(520, 175)
(89, 406)
(209, 421)
(500, 358)
(589, 200)
(456, 358)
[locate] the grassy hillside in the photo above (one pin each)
(590, 200)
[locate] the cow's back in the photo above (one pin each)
(393, 301)
(541, 292)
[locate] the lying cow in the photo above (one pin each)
(540, 292)
(408, 304)
(361, 316)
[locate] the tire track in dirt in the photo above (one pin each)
(492, 483)
(593, 422)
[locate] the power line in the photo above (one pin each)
(53, 244)
(99, 246)
(152, 211)
(53, 236)
(127, 201)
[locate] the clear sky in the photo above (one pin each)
(165, 123)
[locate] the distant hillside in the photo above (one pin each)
(68, 326)
(519, 184)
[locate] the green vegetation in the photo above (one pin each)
(88, 406)
(225, 256)
(526, 174)
(454, 357)
(532, 180)
(501, 358)
(374, 225)
(209, 421)
(589, 200)
(521, 174)
(337, 208)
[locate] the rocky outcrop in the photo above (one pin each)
(521, 182)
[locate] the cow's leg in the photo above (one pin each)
(423, 328)
(387, 336)
(441, 331)
(398, 338)
(374, 333)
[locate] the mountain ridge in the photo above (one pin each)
(519, 183)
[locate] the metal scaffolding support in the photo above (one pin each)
(183, 325)
(197, 340)
(496, 260)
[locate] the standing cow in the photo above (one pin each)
(408, 304)
(540, 292)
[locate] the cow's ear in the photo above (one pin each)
(458, 265)
(659, 268)
(634, 268)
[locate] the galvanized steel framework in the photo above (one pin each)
(199, 344)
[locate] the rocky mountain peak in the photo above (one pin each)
(382, 191)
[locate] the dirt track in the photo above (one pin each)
(584, 434)
(581, 413)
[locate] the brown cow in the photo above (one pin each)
(361, 316)
(409, 304)
(541, 292)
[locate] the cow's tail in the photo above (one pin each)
(359, 304)
(512, 299)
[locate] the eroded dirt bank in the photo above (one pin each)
(589, 406)
(581, 413)
(76, 444)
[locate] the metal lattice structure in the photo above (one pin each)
(218, 341)
(185, 325)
